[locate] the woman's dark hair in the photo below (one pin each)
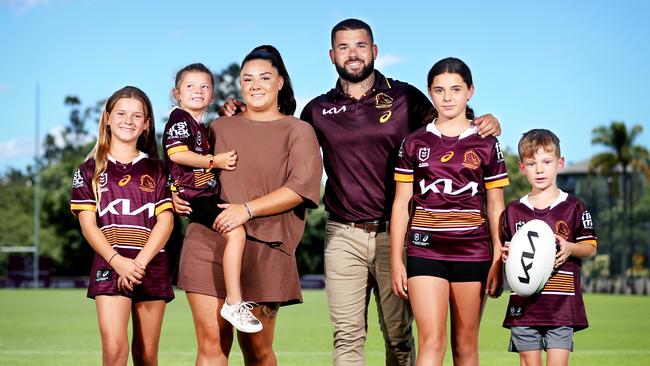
(286, 100)
(452, 65)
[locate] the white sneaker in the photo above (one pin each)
(240, 316)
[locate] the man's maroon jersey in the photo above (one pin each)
(560, 302)
(132, 195)
(183, 133)
(359, 139)
(450, 176)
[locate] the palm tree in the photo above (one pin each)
(622, 156)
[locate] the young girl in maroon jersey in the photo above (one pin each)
(187, 153)
(119, 195)
(453, 180)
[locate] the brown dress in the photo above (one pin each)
(271, 155)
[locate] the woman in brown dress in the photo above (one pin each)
(277, 177)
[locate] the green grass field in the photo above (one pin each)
(59, 327)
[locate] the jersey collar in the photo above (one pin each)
(560, 198)
(141, 155)
(471, 130)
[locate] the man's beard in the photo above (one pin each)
(355, 78)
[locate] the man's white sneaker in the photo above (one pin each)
(240, 316)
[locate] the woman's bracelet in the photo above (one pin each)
(113, 256)
(249, 210)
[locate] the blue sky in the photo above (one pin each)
(564, 65)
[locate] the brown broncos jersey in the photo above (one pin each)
(450, 176)
(560, 302)
(183, 133)
(132, 195)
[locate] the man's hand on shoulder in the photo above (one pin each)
(488, 125)
(231, 107)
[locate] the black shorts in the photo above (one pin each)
(452, 271)
(205, 210)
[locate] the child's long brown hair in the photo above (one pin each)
(146, 142)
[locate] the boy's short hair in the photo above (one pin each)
(535, 139)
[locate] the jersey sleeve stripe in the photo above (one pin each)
(177, 149)
(164, 207)
(497, 183)
(77, 207)
(410, 171)
(494, 177)
(590, 242)
(406, 178)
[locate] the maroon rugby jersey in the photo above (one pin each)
(359, 139)
(183, 133)
(560, 302)
(450, 176)
(132, 195)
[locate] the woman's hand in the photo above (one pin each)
(399, 279)
(232, 216)
(488, 125)
(493, 286)
(181, 206)
(130, 269)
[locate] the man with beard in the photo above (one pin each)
(360, 124)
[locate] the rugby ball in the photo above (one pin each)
(531, 258)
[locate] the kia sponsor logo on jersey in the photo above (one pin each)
(122, 206)
(447, 187)
(334, 110)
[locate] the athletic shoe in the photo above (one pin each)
(240, 316)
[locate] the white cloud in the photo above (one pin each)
(20, 7)
(23, 146)
(386, 60)
(16, 148)
(57, 133)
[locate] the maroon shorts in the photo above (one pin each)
(156, 283)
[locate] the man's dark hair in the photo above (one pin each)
(351, 24)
